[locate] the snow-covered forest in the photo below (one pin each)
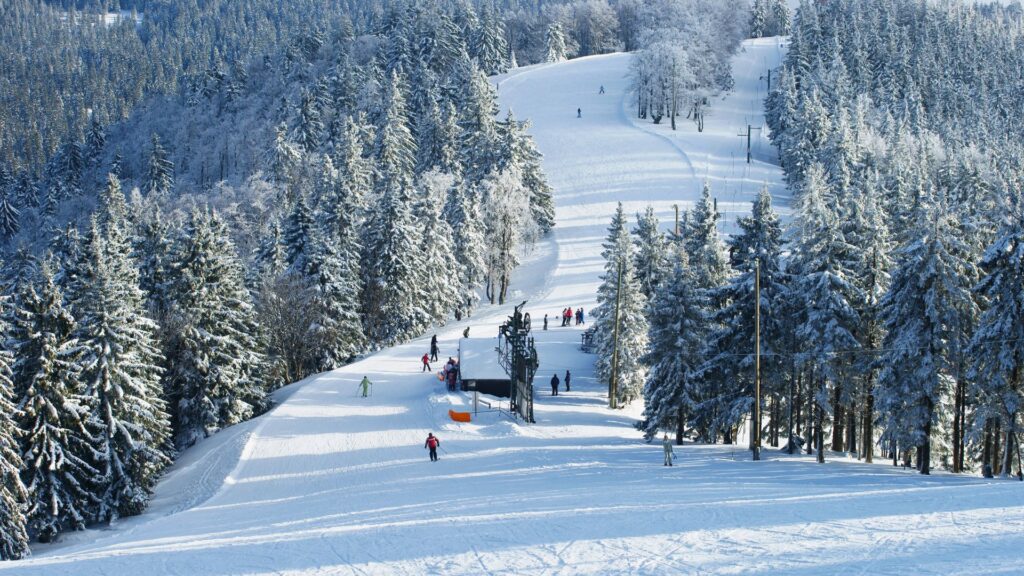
(226, 198)
(890, 303)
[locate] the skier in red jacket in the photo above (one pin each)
(426, 362)
(432, 443)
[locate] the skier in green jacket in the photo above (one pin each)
(366, 386)
(668, 450)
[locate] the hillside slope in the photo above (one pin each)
(330, 483)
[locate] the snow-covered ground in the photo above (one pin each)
(331, 483)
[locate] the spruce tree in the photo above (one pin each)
(56, 446)
(9, 215)
(997, 348)
(214, 375)
(928, 305)
(159, 171)
(652, 257)
(439, 275)
(556, 43)
(13, 495)
(677, 331)
(619, 289)
(468, 236)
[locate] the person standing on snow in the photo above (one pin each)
(433, 348)
(554, 384)
(601, 91)
(667, 444)
(426, 362)
(579, 113)
(580, 314)
(567, 377)
(432, 443)
(545, 321)
(366, 386)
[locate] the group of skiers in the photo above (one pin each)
(451, 373)
(555, 382)
(568, 315)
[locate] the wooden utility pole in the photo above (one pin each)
(613, 382)
(750, 129)
(757, 359)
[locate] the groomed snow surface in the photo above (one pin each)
(331, 483)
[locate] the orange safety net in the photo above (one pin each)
(459, 416)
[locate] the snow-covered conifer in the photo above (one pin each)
(620, 289)
(159, 171)
(440, 270)
(13, 495)
(652, 257)
(556, 43)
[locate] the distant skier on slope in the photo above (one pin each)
(545, 321)
(432, 444)
(579, 113)
(667, 444)
(567, 377)
(554, 384)
(601, 91)
(433, 348)
(366, 386)
(426, 362)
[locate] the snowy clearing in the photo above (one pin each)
(331, 483)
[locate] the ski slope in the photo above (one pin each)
(330, 483)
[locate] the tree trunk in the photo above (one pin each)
(851, 429)
(809, 435)
(1008, 451)
(820, 434)
(680, 425)
(924, 451)
(790, 407)
(996, 470)
(837, 421)
(868, 437)
(957, 431)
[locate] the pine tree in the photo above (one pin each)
(9, 215)
(395, 149)
(463, 213)
(53, 413)
(298, 238)
(652, 258)
(270, 259)
(619, 288)
(488, 44)
(439, 281)
(213, 378)
(479, 136)
(519, 150)
(152, 251)
(556, 43)
(729, 365)
(997, 348)
(26, 191)
(159, 171)
(95, 141)
(340, 280)
(928, 305)
(13, 495)
(284, 158)
(827, 285)
(310, 124)
(120, 373)
(677, 331)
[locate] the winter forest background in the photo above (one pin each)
(221, 198)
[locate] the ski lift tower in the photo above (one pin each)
(518, 357)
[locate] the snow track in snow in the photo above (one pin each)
(331, 483)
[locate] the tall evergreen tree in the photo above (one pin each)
(13, 495)
(53, 413)
(159, 171)
(620, 289)
(213, 378)
(652, 253)
(556, 43)
(9, 215)
(928, 306)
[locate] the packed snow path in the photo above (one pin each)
(330, 483)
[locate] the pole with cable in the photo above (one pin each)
(613, 382)
(757, 359)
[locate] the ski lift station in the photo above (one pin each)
(480, 367)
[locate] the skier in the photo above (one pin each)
(554, 384)
(426, 362)
(432, 443)
(567, 377)
(579, 316)
(545, 321)
(465, 333)
(579, 113)
(582, 319)
(601, 91)
(366, 386)
(667, 444)
(433, 348)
